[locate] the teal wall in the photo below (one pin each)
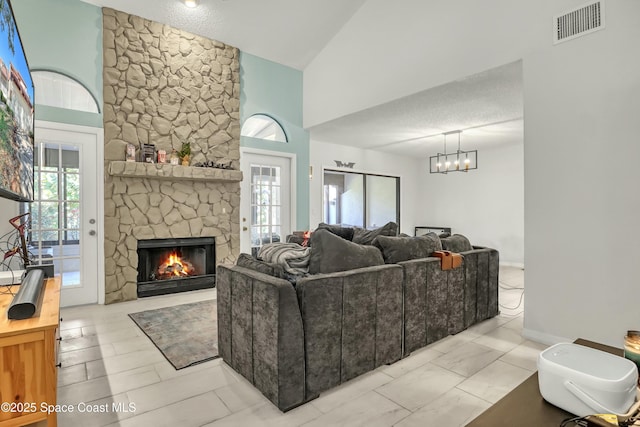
(276, 90)
(64, 36)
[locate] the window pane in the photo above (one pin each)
(277, 235)
(70, 249)
(51, 156)
(254, 214)
(275, 195)
(72, 210)
(36, 186)
(255, 174)
(263, 127)
(49, 213)
(265, 235)
(275, 216)
(49, 236)
(352, 200)
(255, 191)
(49, 186)
(255, 236)
(381, 200)
(276, 175)
(264, 195)
(73, 235)
(72, 186)
(70, 159)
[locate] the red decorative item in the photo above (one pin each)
(21, 226)
(306, 236)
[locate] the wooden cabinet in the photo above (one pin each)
(28, 358)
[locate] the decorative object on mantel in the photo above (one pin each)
(148, 153)
(222, 164)
(185, 154)
(174, 159)
(130, 153)
(342, 164)
(457, 161)
(162, 156)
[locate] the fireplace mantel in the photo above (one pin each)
(172, 172)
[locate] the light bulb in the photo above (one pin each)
(191, 3)
(447, 164)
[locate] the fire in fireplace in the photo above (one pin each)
(175, 265)
(172, 266)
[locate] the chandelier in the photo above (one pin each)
(456, 161)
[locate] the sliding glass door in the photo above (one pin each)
(360, 199)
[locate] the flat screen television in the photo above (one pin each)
(16, 112)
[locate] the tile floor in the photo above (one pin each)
(106, 359)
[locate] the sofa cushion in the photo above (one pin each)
(456, 243)
(338, 230)
(330, 253)
(247, 261)
(366, 237)
(398, 249)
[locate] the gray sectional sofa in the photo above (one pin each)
(292, 343)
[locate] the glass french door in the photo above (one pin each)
(266, 206)
(63, 214)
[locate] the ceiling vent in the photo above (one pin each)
(578, 22)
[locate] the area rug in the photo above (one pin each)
(186, 334)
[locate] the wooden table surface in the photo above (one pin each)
(46, 317)
(524, 405)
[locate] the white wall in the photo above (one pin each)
(323, 154)
(486, 204)
(581, 104)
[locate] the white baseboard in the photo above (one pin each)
(512, 264)
(542, 337)
(11, 277)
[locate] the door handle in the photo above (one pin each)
(92, 232)
(244, 228)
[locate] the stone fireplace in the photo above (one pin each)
(165, 87)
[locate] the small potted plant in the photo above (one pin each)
(185, 153)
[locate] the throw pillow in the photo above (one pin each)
(330, 253)
(338, 230)
(398, 249)
(247, 261)
(456, 243)
(366, 237)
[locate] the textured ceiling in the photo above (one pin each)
(289, 32)
(487, 106)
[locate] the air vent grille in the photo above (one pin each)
(579, 22)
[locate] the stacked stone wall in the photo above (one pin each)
(165, 87)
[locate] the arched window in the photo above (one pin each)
(58, 90)
(262, 126)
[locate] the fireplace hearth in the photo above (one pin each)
(175, 265)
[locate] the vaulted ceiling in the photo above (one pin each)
(487, 106)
